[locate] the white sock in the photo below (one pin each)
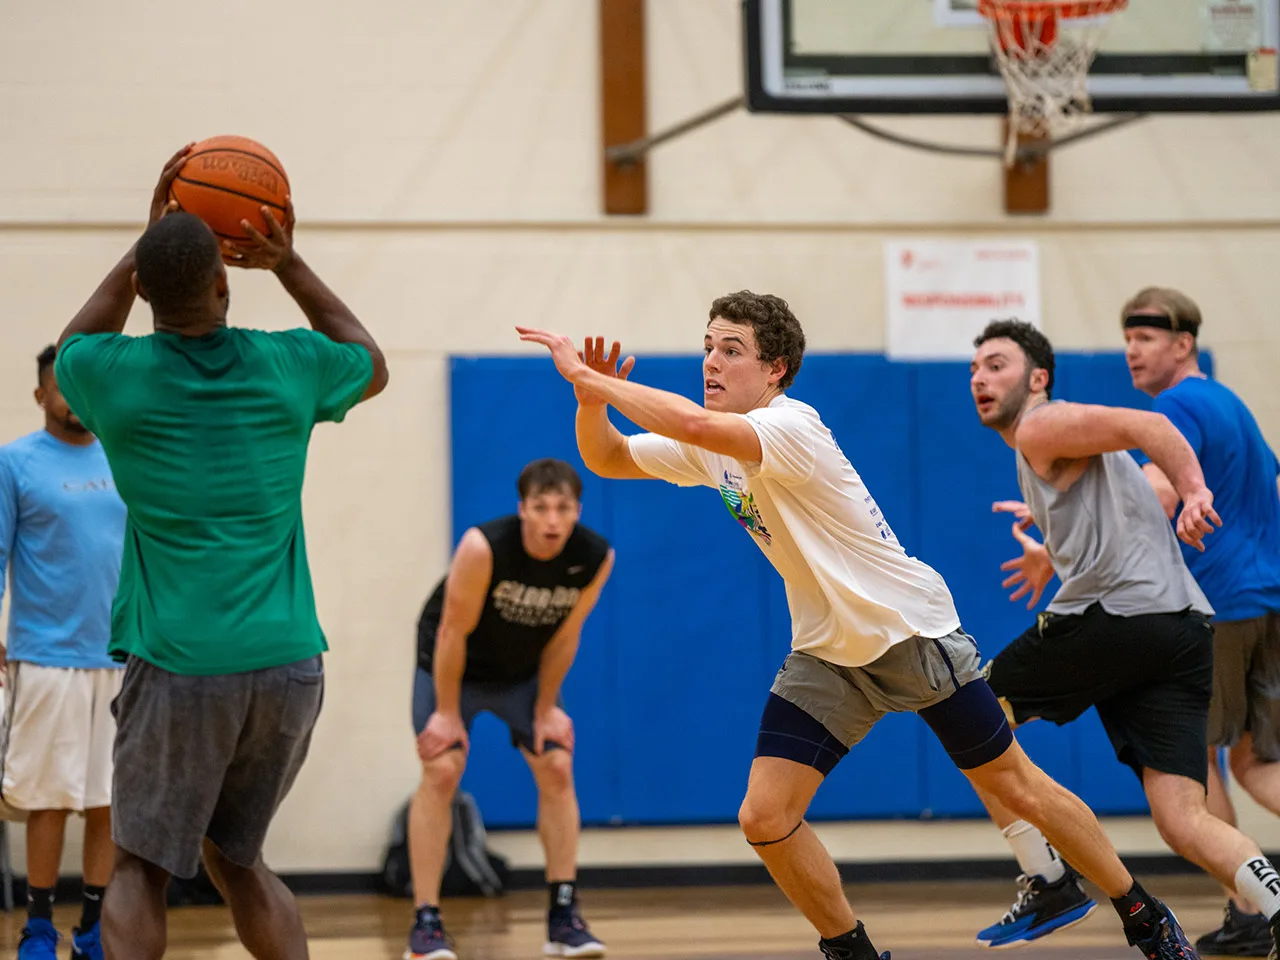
(1257, 879)
(1035, 856)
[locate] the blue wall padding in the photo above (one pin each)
(678, 657)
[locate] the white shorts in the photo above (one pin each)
(58, 736)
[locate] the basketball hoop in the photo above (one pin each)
(1044, 49)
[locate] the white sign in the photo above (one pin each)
(941, 293)
(1232, 27)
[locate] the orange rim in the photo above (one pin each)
(1048, 9)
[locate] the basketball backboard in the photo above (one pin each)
(933, 56)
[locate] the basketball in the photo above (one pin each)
(227, 179)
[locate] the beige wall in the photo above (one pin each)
(444, 163)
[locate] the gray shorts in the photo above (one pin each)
(1246, 684)
(512, 703)
(212, 757)
(911, 676)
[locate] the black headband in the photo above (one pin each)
(1160, 322)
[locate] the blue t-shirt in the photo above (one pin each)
(1239, 570)
(61, 539)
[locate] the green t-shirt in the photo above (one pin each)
(207, 440)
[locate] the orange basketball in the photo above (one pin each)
(228, 179)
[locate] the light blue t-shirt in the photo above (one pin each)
(1239, 570)
(61, 539)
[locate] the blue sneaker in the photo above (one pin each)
(568, 936)
(39, 940)
(1168, 942)
(87, 944)
(427, 941)
(1039, 910)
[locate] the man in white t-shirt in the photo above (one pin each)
(874, 630)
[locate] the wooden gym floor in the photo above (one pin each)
(916, 921)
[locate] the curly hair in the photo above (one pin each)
(778, 332)
(1035, 345)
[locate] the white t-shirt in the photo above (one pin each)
(852, 590)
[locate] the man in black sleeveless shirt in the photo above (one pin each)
(499, 633)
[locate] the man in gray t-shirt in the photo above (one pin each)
(1128, 632)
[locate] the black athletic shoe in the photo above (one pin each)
(1168, 942)
(1241, 935)
(569, 936)
(428, 941)
(1040, 909)
(838, 953)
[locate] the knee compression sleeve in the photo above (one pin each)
(971, 725)
(789, 733)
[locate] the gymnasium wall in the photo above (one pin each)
(677, 659)
(444, 161)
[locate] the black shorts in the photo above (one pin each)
(1150, 676)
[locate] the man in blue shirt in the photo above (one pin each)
(61, 537)
(1239, 570)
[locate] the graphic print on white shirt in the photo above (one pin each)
(743, 506)
(852, 590)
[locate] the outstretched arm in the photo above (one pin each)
(1075, 431)
(108, 308)
(658, 411)
(603, 448)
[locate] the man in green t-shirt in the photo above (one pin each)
(206, 429)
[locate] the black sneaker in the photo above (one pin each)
(1168, 942)
(569, 936)
(1040, 909)
(846, 946)
(838, 953)
(1241, 935)
(428, 941)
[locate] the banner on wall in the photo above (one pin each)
(939, 294)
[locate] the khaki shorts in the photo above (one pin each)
(1246, 684)
(57, 737)
(911, 676)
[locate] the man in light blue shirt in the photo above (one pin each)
(61, 539)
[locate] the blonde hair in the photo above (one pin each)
(1182, 311)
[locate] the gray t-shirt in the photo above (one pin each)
(1110, 541)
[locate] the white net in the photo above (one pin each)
(1044, 50)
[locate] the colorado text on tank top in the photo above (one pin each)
(1110, 541)
(524, 605)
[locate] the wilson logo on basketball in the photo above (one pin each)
(245, 170)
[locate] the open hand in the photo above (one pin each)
(593, 356)
(443, 732)
(1193, 521)
(552, 724)
(160, 202)
(1019, 509)
(1033, 570)
(271, 252)
(563, 352)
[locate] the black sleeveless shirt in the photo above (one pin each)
(526, 602)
